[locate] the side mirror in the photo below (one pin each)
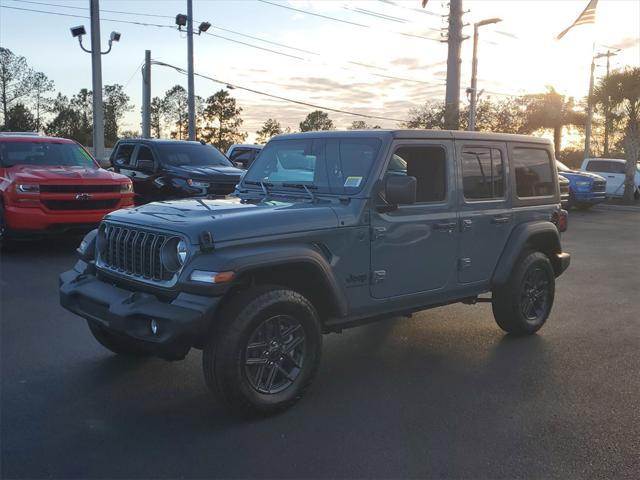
(145, 166)
(239, 165)
(400, 190)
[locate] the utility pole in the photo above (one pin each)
(454, 39)
(473, 91)
(607, 112)
(96, 71)
(587, 127)
(190, 86)
(146, 95)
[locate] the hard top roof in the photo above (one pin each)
(418, 134)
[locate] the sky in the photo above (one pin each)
(339, 64)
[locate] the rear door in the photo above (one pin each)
(486, 218)
(414, 247)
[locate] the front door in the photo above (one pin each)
(414, 247)
(144, 175)
(486, 219)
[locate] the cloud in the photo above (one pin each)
(627, 42)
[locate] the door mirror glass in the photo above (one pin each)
(145, 165)
(400, 190)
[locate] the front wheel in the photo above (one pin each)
(265, 352)
(522, 305)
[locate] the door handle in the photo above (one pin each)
(500, 219)
(448, 226)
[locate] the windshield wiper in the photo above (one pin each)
(262, 184)
(307, 188)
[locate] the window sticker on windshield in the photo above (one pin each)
(352, 182)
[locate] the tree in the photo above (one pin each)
(269, 129)
(553, 111)
(20, 119)
(16, 78)
(361, 125)
(177, 110)
(316, 120)
(157, 113)
(428, 116)
(129, 134)
(621, 90)
(221, 110)
(69, 121)
(40, 87)
(116, 104)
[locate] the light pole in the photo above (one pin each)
(96, 71)
(187, 20)
(473, 90)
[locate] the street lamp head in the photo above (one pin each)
(115, 36)
(204, 26)
(78, 31)
(488, 21)
(181, 20)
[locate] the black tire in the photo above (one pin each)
(242, 350)
(3, 227)
(118, 345)
(522, 305)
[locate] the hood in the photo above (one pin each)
(56, 173)
(577, 175)
(230, 219)
(232, 174)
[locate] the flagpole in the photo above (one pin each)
(587, 127)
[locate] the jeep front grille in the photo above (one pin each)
(134, 252)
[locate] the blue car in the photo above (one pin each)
(585, 189)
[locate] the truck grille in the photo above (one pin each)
(79, 188)
(599, 186)
(134, 252)
(108, 204)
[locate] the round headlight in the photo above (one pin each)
(181, 250)
(174, 254)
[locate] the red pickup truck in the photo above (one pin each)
(52, 184)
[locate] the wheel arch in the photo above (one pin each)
(540, 236)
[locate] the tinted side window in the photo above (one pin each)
(534, 175)
(596, 166)
(145, 153)
(241, 155)
(428, 165)
(123, 155)
(482, 173)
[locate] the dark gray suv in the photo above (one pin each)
(329, 230)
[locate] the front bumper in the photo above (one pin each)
(589, 197)
(561, 263)
(181, 322)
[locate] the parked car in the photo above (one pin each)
(613, 169)
(585, 189)
(52, 185)
(564, 190)
(243, 154)
(325, 237)
(172, 169)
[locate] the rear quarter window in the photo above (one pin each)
(533, 172)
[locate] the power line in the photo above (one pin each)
(335, 19)
(222, 37)
(285, 99)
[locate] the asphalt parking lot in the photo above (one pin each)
(444, 394)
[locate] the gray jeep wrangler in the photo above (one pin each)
(329, 230)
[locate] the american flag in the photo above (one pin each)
(587, 16)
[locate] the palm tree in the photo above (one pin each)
(550, 110)
(621, 91)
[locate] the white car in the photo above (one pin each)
(613, 169)
(243, 153)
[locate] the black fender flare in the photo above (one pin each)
(247, 259)
(542, 235)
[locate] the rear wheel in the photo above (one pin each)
(3, 226)
(117, 344)
(522, 305)
(265, 352)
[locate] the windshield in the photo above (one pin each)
(44, 153)
(562, 167)
(192, 154)
(329, 165)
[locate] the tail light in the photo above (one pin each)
(560, 218)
